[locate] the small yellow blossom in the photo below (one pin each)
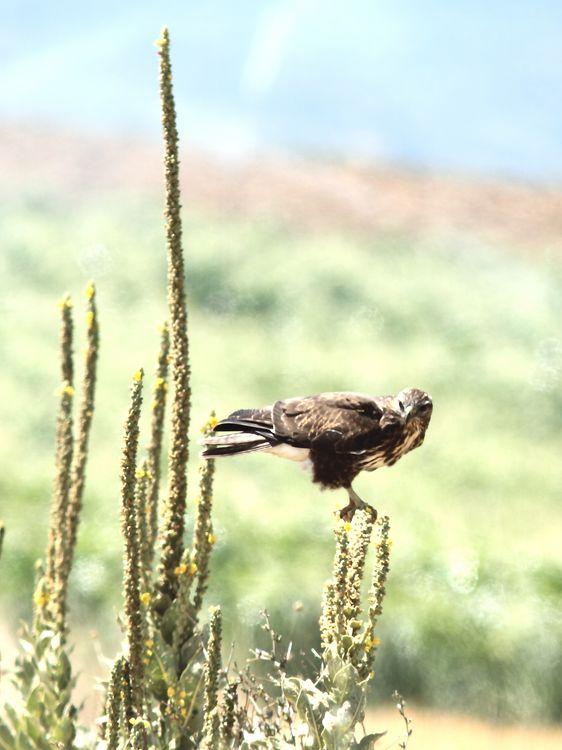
(89, 318)
(149, 643)
(146, 662)
(183, 694)
(139, 720)
(65, 302)
(160, 384)
(149, 652)
(371, 643)
(170, 692)
(137, 377)
(41, 598)
(210, 424)
(67, 390)
(160, 43)
(347, 527)
(90, 291)
(145, 598)
(153, 404)
(184, 712)
(183, 568)
(211, 538)
(182, 702)
(389, 543)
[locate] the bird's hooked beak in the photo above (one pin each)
(401, 409)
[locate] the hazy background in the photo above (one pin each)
(373, 200)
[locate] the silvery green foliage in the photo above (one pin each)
(325, 714)
(330, 711)
(45, 718)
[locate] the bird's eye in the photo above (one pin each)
(401, 405)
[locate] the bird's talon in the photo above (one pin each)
(347, 513)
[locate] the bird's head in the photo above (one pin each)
(414, 405)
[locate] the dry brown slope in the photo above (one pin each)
(307, 194)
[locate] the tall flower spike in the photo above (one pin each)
(380, 573)
(126, 695)
(132, 562)
(155, 445)
(211, 719)
(142, 512)
(2, 534)
(185, 616)
(203, 537)
(360, 539)
(228, 713)
(80, 458)
(341, 565)
(328, 617)
(113, 705)
(177, 466)
(377, 593)
(63, 461)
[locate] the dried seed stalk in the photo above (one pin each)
(63, 457)
(132, 562)
(174, 524)
(154, 453)
(211, 722)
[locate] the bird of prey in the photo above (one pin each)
(334, 435)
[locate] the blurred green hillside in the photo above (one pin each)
(472, 618)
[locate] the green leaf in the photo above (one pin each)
(7, 739)
(368, 742)
(13, 717)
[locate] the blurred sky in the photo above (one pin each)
(467, 85)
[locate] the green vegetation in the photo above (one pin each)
(472, 618)
(475, 591)
(168, 688)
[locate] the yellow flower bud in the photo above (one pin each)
(41, 599)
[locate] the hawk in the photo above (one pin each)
(334, 435)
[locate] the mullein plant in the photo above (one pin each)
(326, 712)
(45, 716)
(169, 687)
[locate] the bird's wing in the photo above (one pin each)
(343, 420)
(258, 421)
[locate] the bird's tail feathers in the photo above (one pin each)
(234, 444)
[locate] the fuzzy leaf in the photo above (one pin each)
(368, 742)
(7, 739)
